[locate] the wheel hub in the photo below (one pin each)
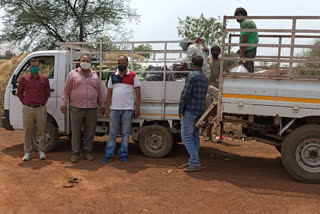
(155, 141)
(36, 137)
(308, 155)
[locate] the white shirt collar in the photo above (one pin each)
(128, 72)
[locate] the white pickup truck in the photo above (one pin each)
(158, 126)
(280, 107)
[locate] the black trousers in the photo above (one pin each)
(250, 64)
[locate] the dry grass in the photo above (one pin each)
(7, 67)
(114, 57)
(3, 61)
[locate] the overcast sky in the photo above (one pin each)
(159, 18)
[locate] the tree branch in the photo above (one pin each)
(73, 8)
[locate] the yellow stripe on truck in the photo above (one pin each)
(271, 98)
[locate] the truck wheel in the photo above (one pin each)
(301, 153)
(52, 137)
(155, 141)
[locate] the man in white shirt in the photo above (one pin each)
(121, 107)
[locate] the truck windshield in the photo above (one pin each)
(46, 67)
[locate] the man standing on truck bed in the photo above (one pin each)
(123, 85)
(34, 92)
(83, 89)
(247, 38)
(191, 107)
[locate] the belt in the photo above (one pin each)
(35, 106)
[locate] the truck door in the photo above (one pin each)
(48, 67)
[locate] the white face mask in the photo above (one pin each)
(85, 65)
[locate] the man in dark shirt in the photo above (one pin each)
(34, 92)
(191, 107)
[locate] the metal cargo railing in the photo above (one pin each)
(293, 61)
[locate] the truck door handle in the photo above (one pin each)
(51, 90)
(14, 91)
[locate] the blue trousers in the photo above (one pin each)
(117, 117)
(190, 137)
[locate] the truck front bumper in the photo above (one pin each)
(6, 121)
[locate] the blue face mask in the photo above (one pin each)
(34, 70)
(122, 68)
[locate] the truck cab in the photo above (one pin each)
(52, 64)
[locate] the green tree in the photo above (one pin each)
(312, 54)
(142, 47)
(38, 24)
(209, 29)
(106, 47)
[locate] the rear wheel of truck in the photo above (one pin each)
(52, 137)
(155, 141)
(301, 153)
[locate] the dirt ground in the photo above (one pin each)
(239, 177)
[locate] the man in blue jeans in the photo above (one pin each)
(121, 107)
(191, 107)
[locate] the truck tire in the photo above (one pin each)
(155, 141)
(301, 153)
(52, 137)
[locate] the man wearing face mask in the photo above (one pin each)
(121, 107)
(213, 92)
(191, 107)
(84, 92)
(247, 38)
(34, 92)
(214, 64)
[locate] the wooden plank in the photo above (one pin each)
(211, 111)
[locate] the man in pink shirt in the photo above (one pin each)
(84, 92)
